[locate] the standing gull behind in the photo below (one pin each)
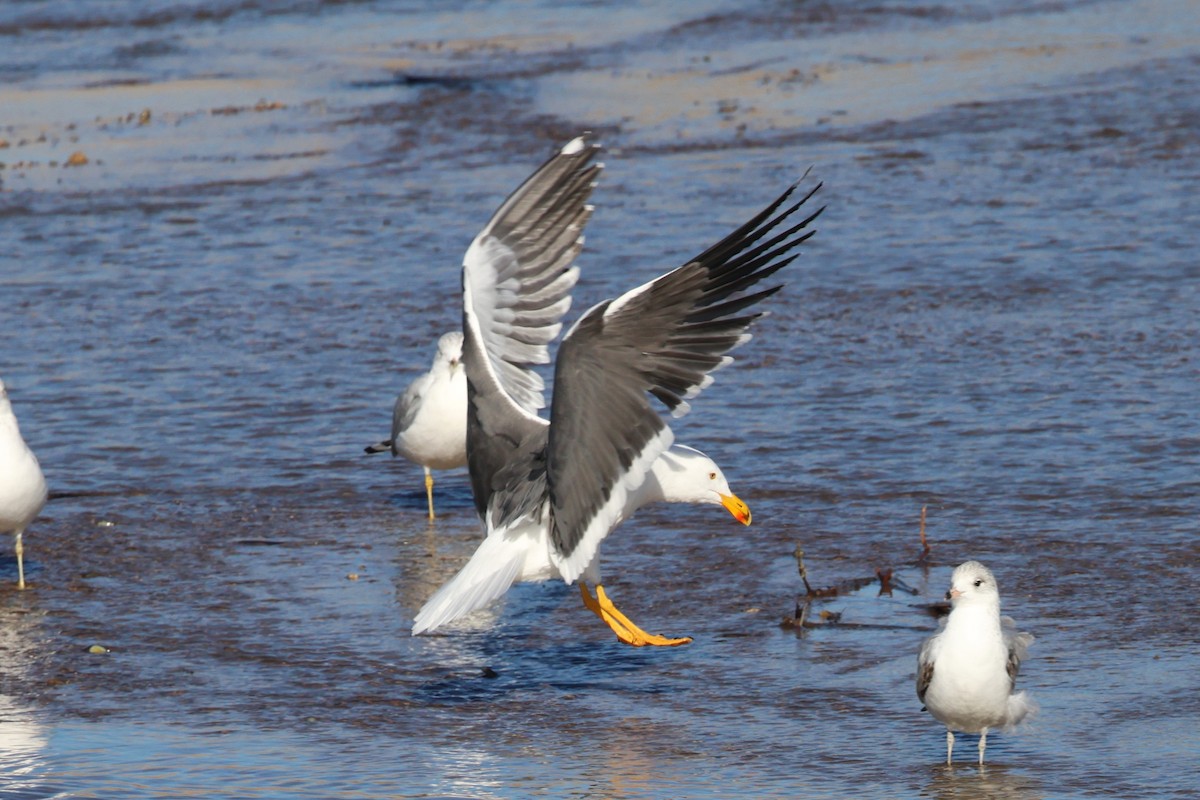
(429, 421)
(22, 486)
(550, 491)
(966, 673)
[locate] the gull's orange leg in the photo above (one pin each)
(590, 602)
(625, 629)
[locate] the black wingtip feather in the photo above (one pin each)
(657, 341)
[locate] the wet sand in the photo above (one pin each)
(207, 321)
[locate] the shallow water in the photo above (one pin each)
(205, 324)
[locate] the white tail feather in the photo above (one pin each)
(495, 566)
(1020, 705)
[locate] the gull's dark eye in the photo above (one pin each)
(712, 476)
(978, 582)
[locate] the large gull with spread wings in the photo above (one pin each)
(550, 491)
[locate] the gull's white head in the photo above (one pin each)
(973, 583)
(688, 476)
(449, 350)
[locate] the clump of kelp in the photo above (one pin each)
(808, 614)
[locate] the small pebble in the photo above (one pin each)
(353, 576)
(98, 649)
(77, 159)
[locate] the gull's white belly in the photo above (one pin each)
(970, 687)
(437, 437)
(22, 487)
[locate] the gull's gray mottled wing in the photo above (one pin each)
(1018, 646)
(663, 338)
(925, 668)
(403, 412)
(517, 277)
(405, 409)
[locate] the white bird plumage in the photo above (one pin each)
(522, 552)
(967, 672)
(22, 485)
(429, 420)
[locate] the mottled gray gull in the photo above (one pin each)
(429, 421)
(550, 491)
(966, 673)
(22, 485)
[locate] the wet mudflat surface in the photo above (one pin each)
(204, 324)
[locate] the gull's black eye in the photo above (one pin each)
(712, 476)
(978, 582)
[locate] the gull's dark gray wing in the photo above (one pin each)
(517, 277)
(662, 339)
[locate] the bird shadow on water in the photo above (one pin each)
(971, 782)
(518, 655)
(563, 667)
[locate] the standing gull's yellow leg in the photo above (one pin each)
(20, 549)
(429, 490)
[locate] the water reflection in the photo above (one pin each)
(24, 740)
(23, 746)
(972, 782)
(468, 770)
(430, 556)
(638, 757)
